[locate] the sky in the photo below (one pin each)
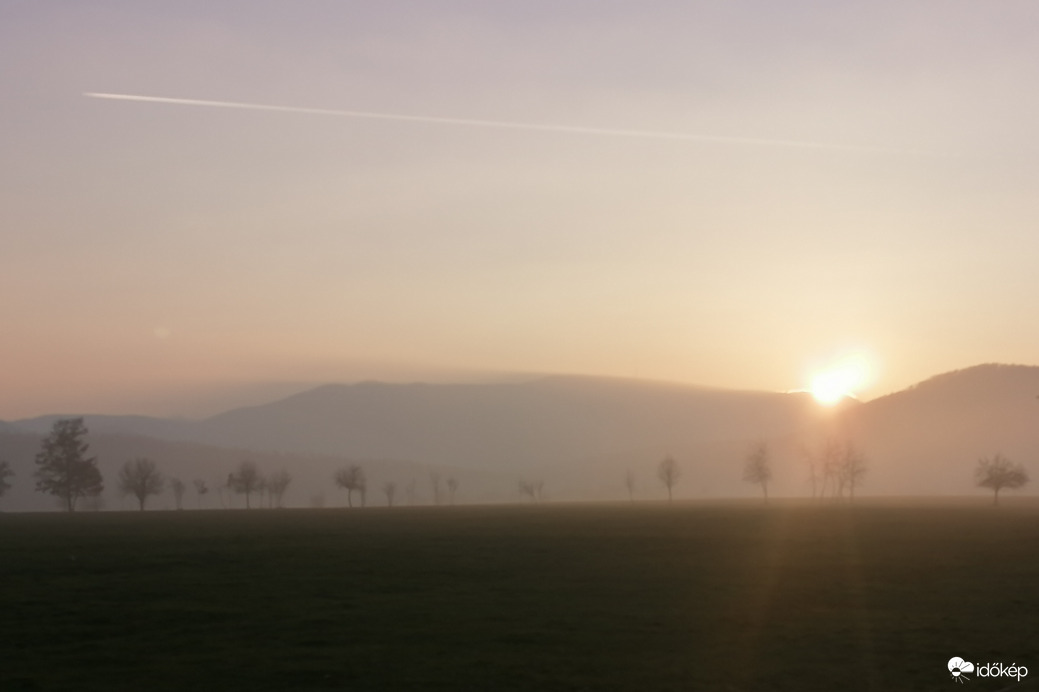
(858, 183)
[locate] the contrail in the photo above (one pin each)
(502, 124)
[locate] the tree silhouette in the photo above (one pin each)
(389, 489)
(668, 472)
(200, 489)
(758, 469)
(998, 472)
(814, 474)
(629, 483)
(65, 470)
(277, 484)
(352, 479)
(246, 480)
(452, 488)
(532, 489)
(177, 486)
(838, 467)
(140, 478)
(852, 469)
(830, 464)
(5, 473)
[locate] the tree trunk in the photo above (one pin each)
(669, 494)
(140, 501)
(764, 489)
(995, 497)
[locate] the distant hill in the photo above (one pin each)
(582, 434)
(928, 438)
(146, 426)
(551, 421)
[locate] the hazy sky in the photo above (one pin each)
(154, 256)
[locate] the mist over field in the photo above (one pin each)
(579, 436)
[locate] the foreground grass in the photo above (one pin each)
(694, 597)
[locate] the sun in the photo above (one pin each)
(840, 380)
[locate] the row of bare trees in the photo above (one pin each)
(247, 480)
(353, 479)
(836, 471)
(141, 478)
(668, 473)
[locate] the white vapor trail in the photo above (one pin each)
(569, 129)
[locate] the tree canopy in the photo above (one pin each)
(998, 472)
(140, 478)
(352, 479)
(65, 470)
(757, 468)
(246, 480)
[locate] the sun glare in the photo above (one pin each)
(840, 380)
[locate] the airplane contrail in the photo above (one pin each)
(501, 124)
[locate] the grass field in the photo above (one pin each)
(595, 597)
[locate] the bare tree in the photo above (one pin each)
(246, 481)
(389, 489)
(352, 479)
(829, 468)
(65, 470)
(140, 478)
(200, 489)
(434, 480)
(852, 469)
(177, 486)
(668, 472)
(533, 489)
(344, 479)
(221, 489)
(814, 471)
(5, 473)
(277, 484)
(998, 472)
(452, 488)
(629, 483)
(758, 469)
